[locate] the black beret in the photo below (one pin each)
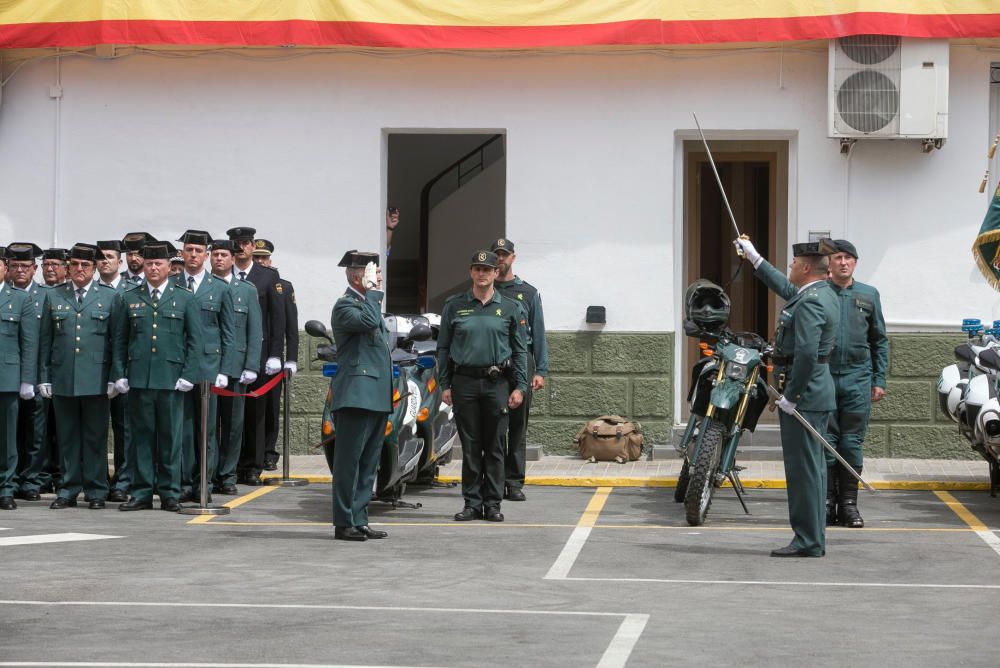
(196, 237)
(358, 259)
(505, 245)
(845, 246)
(88, 252)
(483, 259)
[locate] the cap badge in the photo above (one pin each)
(259, 243)
(482, 256)
(501, 242)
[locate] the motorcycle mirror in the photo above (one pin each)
(317, 329)
(327, 353)
(426, 361)
(420, 332)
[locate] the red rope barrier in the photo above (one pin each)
(256, 394)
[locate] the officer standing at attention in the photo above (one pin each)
(74, 365)
(109, 263)
(18, 342)
(270, 295)
(481, 354)
(32, 416)
(133, 243)
(527, 296)
(362, 394)
(858, 365)
(216, 307)
(803, 341)
(243, 354)
(163, 335)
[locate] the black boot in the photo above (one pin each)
(831, 495)
(848, 501)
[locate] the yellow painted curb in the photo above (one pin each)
(306, 476)
(763, 483)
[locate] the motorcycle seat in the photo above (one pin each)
(400, 356)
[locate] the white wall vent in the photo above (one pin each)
(888, 87)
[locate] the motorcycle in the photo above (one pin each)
(967, 393)
(727, 395)
(403, 445)
(435, 419)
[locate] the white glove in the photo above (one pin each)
(750, 252)
(183, 386)
(122, 385)
(272, 366)
(371, 276)
(292, 367)
(45, 389)
(785, 405)
(112, 392)
(247, 377)
(27, 391)
(222, 380)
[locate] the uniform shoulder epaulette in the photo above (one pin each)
(101, 286)
(453, 298)
(132, 287)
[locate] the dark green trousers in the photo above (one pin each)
(517, 436)
(191, 448)
(8, 449)
(481, 416)
(120, 436)
(155, 420)
(805, 475)
(33, 447)
(230, 435)
(360, 434)
(83, 445)
(849, 423)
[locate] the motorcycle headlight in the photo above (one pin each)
(737, 371)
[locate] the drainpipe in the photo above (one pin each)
(55, 92)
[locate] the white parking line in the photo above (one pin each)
(791, 583)
(39, 539)
(105, 664)
(616, 655)
(571, 550)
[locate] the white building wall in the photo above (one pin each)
(296, 148)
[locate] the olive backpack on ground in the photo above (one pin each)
(610, 438)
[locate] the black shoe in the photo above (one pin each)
(371, 533)
(136, 504)
(46, 488)
(117, 496)
(271, 465)
(493, 514)
(251, 479)
(847, 509)
(7, 503)
(790, 551)
(96, 504)
(349, 533)
(514, 494)
(62, 502)
(188, 496)
(467, 514)
(28, 495)
(228, 489)
(832, 485)
(169, 505)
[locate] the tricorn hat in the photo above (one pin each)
(223, 244)
(112, 245)
(88, 252)
(134, 241)
(814, 248)
(158, 250)
(60, 254)
(360, 259)
(23, 251)
(197, 237)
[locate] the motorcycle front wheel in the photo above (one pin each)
(682, 482)
(698, 499)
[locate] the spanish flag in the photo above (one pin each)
(479, 24)
(986, 249)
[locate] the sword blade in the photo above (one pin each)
(718, 180)
(812, 430)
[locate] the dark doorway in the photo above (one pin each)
(450, 190)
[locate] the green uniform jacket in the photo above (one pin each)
(862, 340)
(244, 353)
(807, 329)
(18, 339)
(76, 343)
(530, 299)
(214, 300)
(480, 335)
(364, 366)
(163, 344)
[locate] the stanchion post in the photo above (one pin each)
(204, 508)
(285, 480)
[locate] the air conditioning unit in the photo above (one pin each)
(888, 87)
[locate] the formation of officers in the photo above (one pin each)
(830, 355)
(95, 344)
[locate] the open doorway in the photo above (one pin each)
(450, 190)
(755, 177)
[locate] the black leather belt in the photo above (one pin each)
(787, 361)
(492, 372)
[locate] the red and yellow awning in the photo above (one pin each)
(479, 24)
